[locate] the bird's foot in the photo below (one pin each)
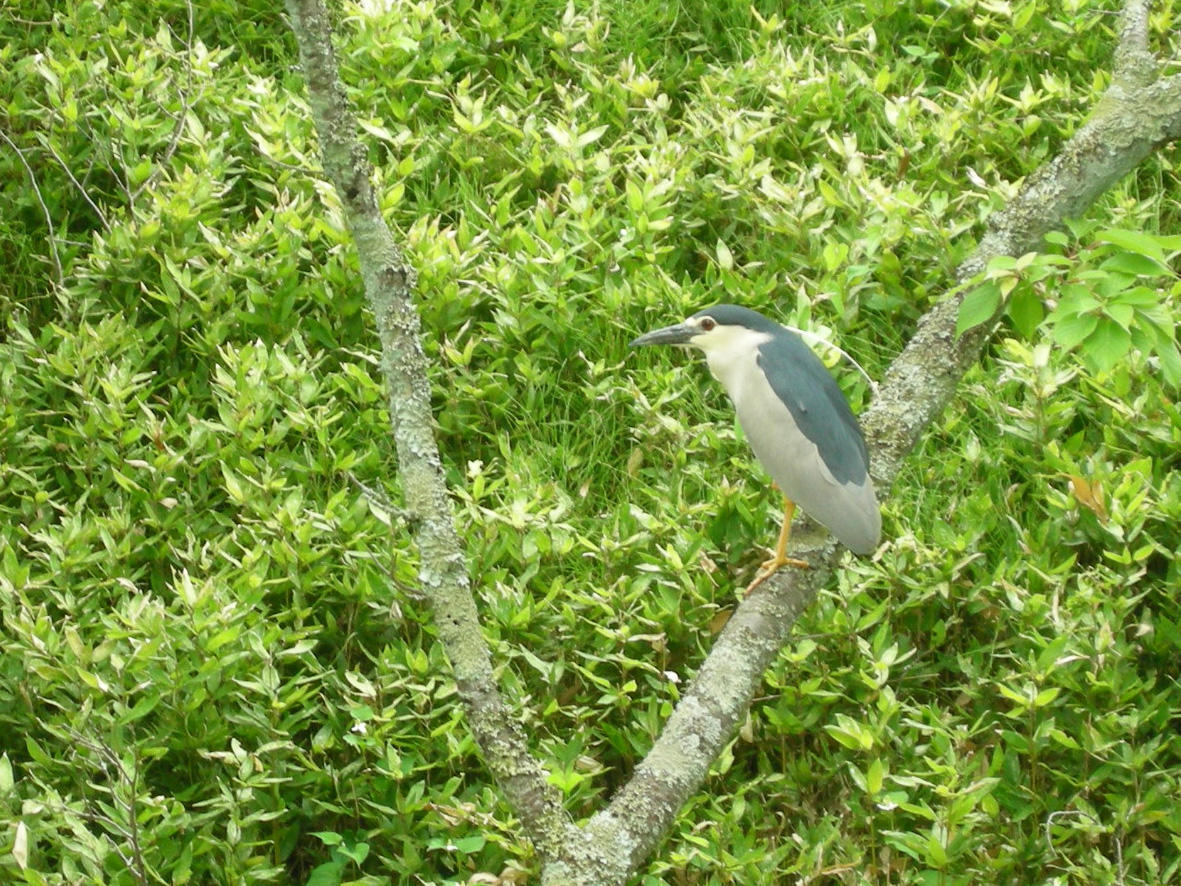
(770, 567)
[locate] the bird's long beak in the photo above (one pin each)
(680, 334)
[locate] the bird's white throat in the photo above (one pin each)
(731, 352)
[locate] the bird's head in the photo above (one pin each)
(716, 330)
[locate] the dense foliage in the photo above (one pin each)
(215, 668)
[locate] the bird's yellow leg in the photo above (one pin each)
(770, 567)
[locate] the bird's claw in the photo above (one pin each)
(770, 567)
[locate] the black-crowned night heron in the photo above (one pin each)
(797, 421)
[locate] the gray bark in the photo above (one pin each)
(389, 286)
(1137, 115)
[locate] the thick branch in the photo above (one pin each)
(704, 721)
(389, 283)
(1126, 126)
(1133, 60)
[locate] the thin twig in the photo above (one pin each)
(185, 105)
(117, 170)
(57, 263)
(65, 167)
(107, 757)
(379, 501)
(1063, 813)
(133, 819)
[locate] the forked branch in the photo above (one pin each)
(1137, 115)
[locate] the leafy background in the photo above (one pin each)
(215, 667)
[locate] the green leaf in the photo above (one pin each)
(1047, 659)
(979, 306)
(1012, 695)
(1001, 266)
(20, 847)
(142, 708)
(591, 136)
(1135, 264)
(356, 853)
(850, 733)
(874, 777)
(1026, 311)
(233, 485)
(635, 197)
(327, 874)
(858, 777)
(1134, 241)
(1046, 696)
(562, 137)
(1120, 313)
(725, 257)
(471, 844)
(222, 637)
(1146, 298)
(834, 255)
(1170, 363)
(1071, 330)
(1063, 739)
(936, 853)
(1107, 345)
(1076, 298)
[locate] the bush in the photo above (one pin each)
(216, 666)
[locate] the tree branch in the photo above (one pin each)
(389, 284)
(1126, 126)
(1133, 60)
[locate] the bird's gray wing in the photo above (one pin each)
(816, 403)
(805, 435)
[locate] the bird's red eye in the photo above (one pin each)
(708, 323)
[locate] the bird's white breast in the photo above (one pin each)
(732, 354)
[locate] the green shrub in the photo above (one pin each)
(216, 667)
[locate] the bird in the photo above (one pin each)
(796, 419)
